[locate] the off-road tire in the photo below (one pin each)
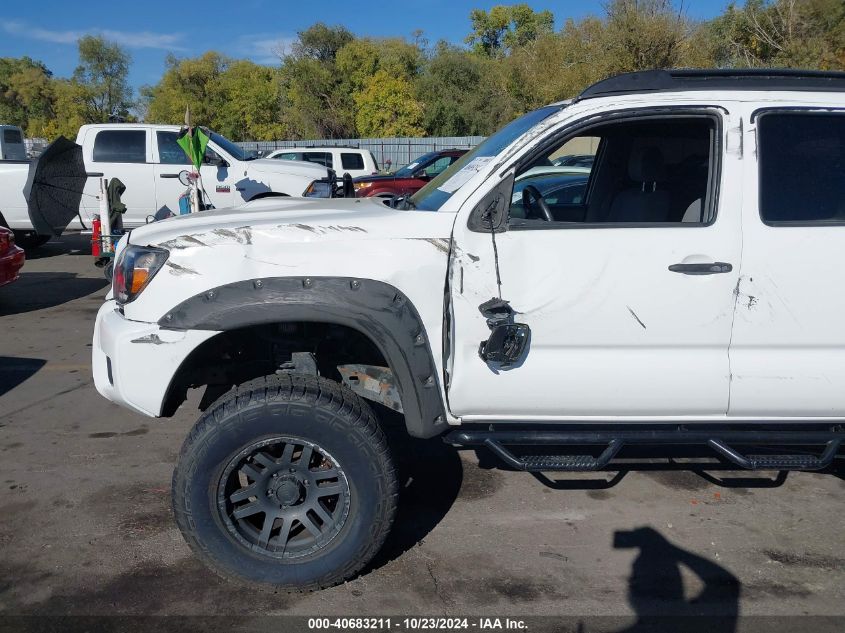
(319, 411)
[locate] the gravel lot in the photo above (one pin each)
(86, 528)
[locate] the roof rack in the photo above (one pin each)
(717, 79)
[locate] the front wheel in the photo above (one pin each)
(286, 482)
(28, 240)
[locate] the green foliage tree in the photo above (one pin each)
(103, 73)
(462, 94)
(387, 107)
(644, 34)
(505, 28)
(26, 94)
(790, 33)
(239, 99)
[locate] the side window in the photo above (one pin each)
(802, 168)
(120, 146)
(169, 151)
(352, 161)
(647, 171)
(438, 166)
(12, 136)
(288, 156)
(375, 162)
(320, 158)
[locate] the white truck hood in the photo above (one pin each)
(290, 220)
(296, 167)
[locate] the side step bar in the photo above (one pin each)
(497, 442)
(568, 463)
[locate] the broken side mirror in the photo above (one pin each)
(506, 345)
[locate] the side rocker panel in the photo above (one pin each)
(376, 309)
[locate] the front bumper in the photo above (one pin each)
(134, 362)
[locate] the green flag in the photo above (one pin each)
(193, 141)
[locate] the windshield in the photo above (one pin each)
(235, 151)
(410, 168)
(434, 195)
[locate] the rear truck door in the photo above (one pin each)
(622, 317)
(788, 345)
(123, 153)
(170, 160)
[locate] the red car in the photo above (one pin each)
(11, 257)
(410, 178)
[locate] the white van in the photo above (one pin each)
(12, 146)
(343, 160)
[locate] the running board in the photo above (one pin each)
(563, 463)
(497, 441)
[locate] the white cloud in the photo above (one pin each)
(264, 48)
(130, 39)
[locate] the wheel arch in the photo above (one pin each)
(376, 310)
(269, 194)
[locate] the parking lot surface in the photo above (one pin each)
(86, 526)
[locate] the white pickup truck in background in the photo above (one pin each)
(146, 158)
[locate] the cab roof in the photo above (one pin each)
(650, 81)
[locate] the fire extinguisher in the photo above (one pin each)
(95, 236)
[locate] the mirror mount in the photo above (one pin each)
(508, 341)
(506, 345)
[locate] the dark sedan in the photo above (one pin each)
(410, 178)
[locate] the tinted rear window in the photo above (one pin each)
(320, 158)
(802, 168)
(352, 161)
(120, 146)
(12, 136)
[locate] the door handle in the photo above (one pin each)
(711, 268)
(168, 175)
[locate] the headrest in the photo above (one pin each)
(646, 165)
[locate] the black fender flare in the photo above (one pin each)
(376, 309)
(269, 194)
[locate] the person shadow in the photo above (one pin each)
(656, 587)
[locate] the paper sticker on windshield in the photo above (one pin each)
(411, 166)
(465, 173)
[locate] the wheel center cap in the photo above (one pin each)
(287, 491)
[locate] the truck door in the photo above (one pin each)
(124, 154)
(624, 272)
(788, 345)
(171, 159)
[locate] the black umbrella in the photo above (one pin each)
(54, 187)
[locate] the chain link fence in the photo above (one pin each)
(390, 153)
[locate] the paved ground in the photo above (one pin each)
(85, 524)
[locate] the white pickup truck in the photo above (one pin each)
(688, 290)
(147, 160)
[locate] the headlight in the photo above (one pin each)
(134, 269)
(361, 185)
(319, 189)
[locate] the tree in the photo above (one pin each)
(316, 103)
(462, 94)
(186, 82)
(250, 102)
(26, 93)
(387, 107)
(505, 28)
(103, 73)
(791, 33)
(321, 42)
(644, 34)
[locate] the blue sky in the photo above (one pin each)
(251, 29)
